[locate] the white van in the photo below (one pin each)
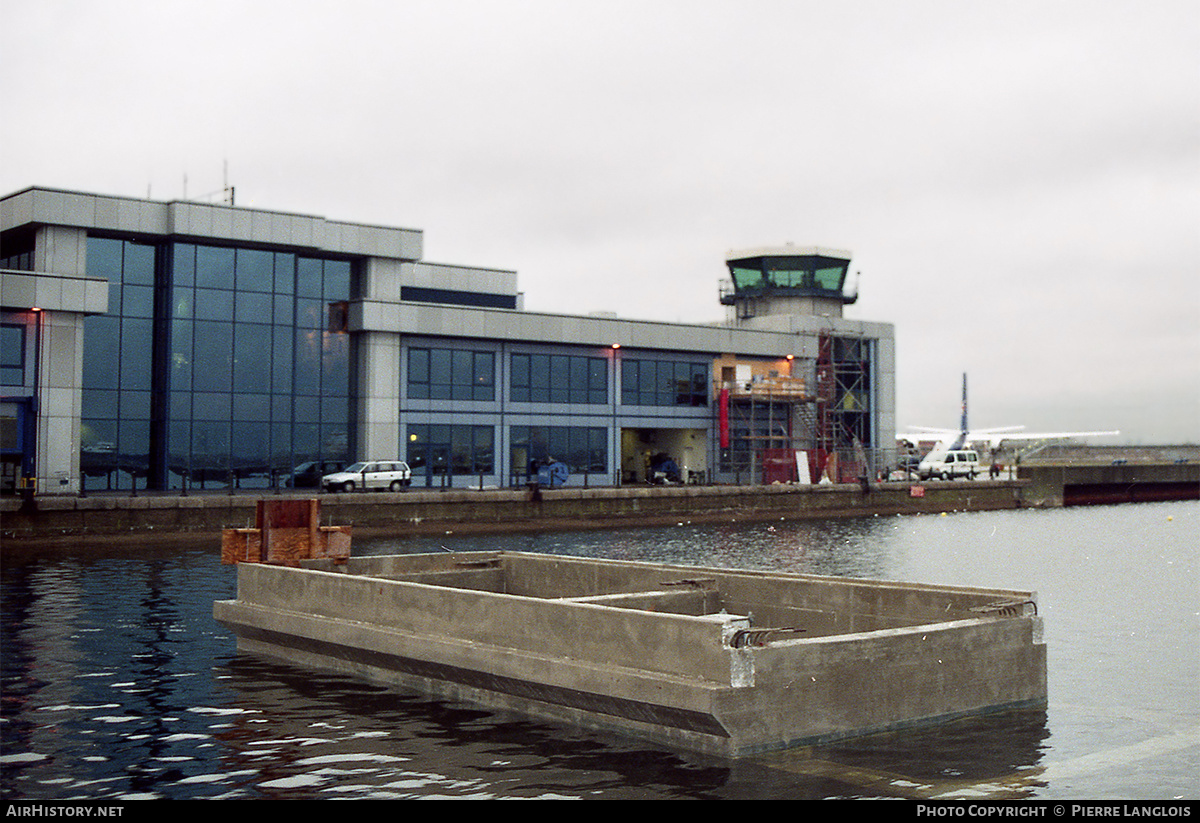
(391, 475)
(949, 465)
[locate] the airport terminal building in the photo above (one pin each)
(183, 345)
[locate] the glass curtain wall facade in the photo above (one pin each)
(214, 366)
(118, 368)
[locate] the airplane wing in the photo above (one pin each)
(995, 436)
(994, 441)
(919, 433)
(1044, 435)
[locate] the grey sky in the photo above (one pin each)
(1019, 182)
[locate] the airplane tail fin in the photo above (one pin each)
(962, 435)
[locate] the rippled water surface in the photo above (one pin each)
(117, 683)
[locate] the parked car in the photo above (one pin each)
(308, 475)
(378, 474)
(949, 465)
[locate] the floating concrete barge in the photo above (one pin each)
(721, 661)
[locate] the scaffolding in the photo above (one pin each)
(845, 409)
(827, 414)
(762, 428)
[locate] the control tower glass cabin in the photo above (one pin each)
(787, 280)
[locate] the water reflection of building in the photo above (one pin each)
(161, 343)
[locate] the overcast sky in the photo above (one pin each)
(1019, 182)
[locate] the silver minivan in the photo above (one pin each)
(392, 475)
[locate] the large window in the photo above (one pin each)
(451, 374)
(443, 451)
(559, 378)
(118, 368)
(582, 449)
(12, 354)
(244, 349)
(260, 364)
(664, 383)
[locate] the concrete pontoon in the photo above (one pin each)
(727, 662)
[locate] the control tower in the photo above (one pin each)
(787, 280)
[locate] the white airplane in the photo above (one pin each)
(966, 438)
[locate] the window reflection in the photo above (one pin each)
(438, 452)
(254, 379)
(451, 374)
(664, 383)
(584, 450)
(559, 378)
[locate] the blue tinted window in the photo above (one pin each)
(214, 304)
(137, 301)
(584, 449)
(183, 265)
(251, 357)
(253, 307)
(238, 351)
(213, 347)
(664, 383)
(451, 374)
(214, 267)
(309, 278)
(138, 268)
(436, 450)
(558, 378)
(105, 258)
(12, 354)
(255, 270)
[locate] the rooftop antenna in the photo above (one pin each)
(225, 173)
(226, 192)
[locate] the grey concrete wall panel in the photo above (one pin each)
(463, 278)
(21, 291)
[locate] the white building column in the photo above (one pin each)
(378, 397)
(62, 294)
(59, 401)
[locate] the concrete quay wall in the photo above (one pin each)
(416, 512)
(1080, 484)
